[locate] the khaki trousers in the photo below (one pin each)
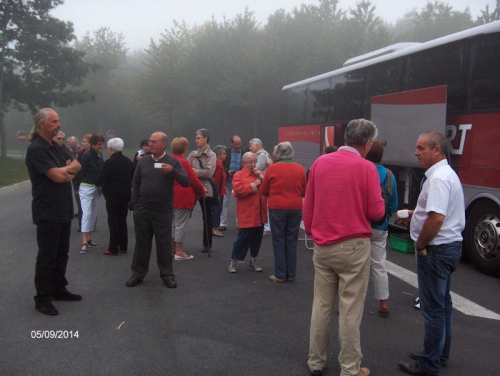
(343, 269)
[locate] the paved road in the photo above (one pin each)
(214, 323)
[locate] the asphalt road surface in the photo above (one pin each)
(214, 323)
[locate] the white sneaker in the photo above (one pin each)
(253, 266)
(184, 256)
(232, 267)
(417, 306)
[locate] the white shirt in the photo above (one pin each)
(441, 193)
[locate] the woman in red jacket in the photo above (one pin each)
(285, 185)
(251, 211)
(184, 199)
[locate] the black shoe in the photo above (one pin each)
(47, 309)
(66, 295)
(205, 250)
(412, 368)
(133, 282)
(170, 283)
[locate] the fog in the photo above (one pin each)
(141, 20)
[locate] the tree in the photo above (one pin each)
(487, 17)
(436, 19)
(37, 66)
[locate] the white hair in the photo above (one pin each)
(115, 144)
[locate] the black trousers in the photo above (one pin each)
(52, 258)
(147, 223)
(206, 209)
(117, 223)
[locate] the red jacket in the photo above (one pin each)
(285, 185)
(220, 181)
(251, 209)
(185, 197)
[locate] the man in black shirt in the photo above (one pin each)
(50, 173)
(153, 204)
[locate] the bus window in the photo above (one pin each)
(348, 95)
(292, 106)
(319, 103)
(484, 73)
(442, 65)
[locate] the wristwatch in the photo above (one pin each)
(419, 248)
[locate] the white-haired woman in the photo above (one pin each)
(116, 181)
(285, 185)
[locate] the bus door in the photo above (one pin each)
(400, 119)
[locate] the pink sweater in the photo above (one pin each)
(343, 195)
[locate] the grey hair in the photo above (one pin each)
(284, 150)
(72, 138)
(436, 138)
(219, 149)
(61, 132)
(204, 133)
(247, 155)
(256, 141)
(40, 115)
(115, 144)
(359, 131)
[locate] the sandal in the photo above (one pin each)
(82, 250)
(91, 244)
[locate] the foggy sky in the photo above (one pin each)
(141, 20)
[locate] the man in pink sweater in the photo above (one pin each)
(343, 195)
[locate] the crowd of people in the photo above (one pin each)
(344, 202)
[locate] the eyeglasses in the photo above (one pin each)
(152, 141)
(199, 138)
(60, 138)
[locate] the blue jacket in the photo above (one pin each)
(393, 197)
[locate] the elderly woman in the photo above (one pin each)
(285, 185)
(263, 161)
(203, 163)
(220, 178)
(115, 179)
(379, 238)
(184, 200)
(91, 162)
(251, 211)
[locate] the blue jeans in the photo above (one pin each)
(216, 212)
(434, 280)
(247, 238)
(285, 234)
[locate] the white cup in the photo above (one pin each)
(403, 213)
(157, 165)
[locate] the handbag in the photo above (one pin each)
(214, 200)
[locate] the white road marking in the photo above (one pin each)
(459, 302)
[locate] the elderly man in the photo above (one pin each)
(74, 146)
(115, 179)
(251, 211)
(232, 164)
(59, 139)
(436, 227)
(50, 173)
(343, 195)
(153, 204)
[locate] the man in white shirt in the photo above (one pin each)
(436, 228)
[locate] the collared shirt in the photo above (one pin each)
(51, 201)
(441, 193)
(234, 165)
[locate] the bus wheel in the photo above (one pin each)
(482, 238)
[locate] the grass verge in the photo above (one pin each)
(12, 171)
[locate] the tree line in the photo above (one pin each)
(224, 76)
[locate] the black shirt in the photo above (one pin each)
(51, 201)
(116, 178)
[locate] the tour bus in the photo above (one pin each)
(450, 84)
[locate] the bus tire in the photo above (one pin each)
(482, 237)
